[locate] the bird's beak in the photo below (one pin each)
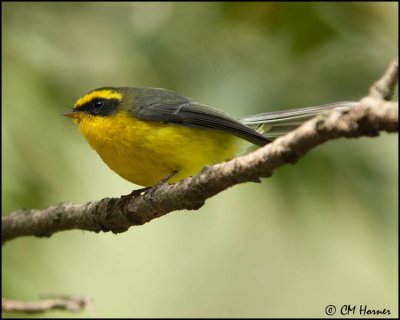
(72, 114)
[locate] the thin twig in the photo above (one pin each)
(73, 304)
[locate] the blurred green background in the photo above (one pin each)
(321, 232)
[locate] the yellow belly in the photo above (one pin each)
(145, 152)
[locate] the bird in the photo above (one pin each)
(148, 135)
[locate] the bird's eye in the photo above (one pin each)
(98, 105)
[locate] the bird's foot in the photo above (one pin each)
(150, 191)
(134, 193)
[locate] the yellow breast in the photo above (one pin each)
(144, 152)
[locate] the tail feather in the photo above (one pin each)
(277, 123)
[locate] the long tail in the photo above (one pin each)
(277, 123)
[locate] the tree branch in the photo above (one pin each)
(384, 88)
(373, 115)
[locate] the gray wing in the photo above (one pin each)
(162, 105)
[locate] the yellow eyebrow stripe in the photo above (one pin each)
(105, 94)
